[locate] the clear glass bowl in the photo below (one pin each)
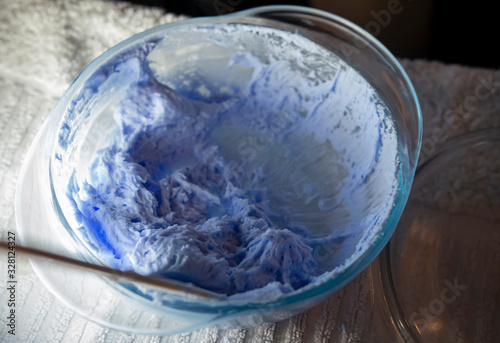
(41, 204)
(440, 271)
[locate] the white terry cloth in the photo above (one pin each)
(45, 44)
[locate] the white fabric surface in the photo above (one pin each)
(44, 45)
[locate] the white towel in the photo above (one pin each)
(44, 45)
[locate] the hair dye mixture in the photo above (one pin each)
(252, 163)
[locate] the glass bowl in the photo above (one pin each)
(369, 103)
(440, 270)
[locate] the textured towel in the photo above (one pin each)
(44, 45)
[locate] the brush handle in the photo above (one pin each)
(163, 284)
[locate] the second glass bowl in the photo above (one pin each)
(441, 270)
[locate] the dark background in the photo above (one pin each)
(448, 31)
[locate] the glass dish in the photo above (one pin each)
(440, 271)
(44, 221)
